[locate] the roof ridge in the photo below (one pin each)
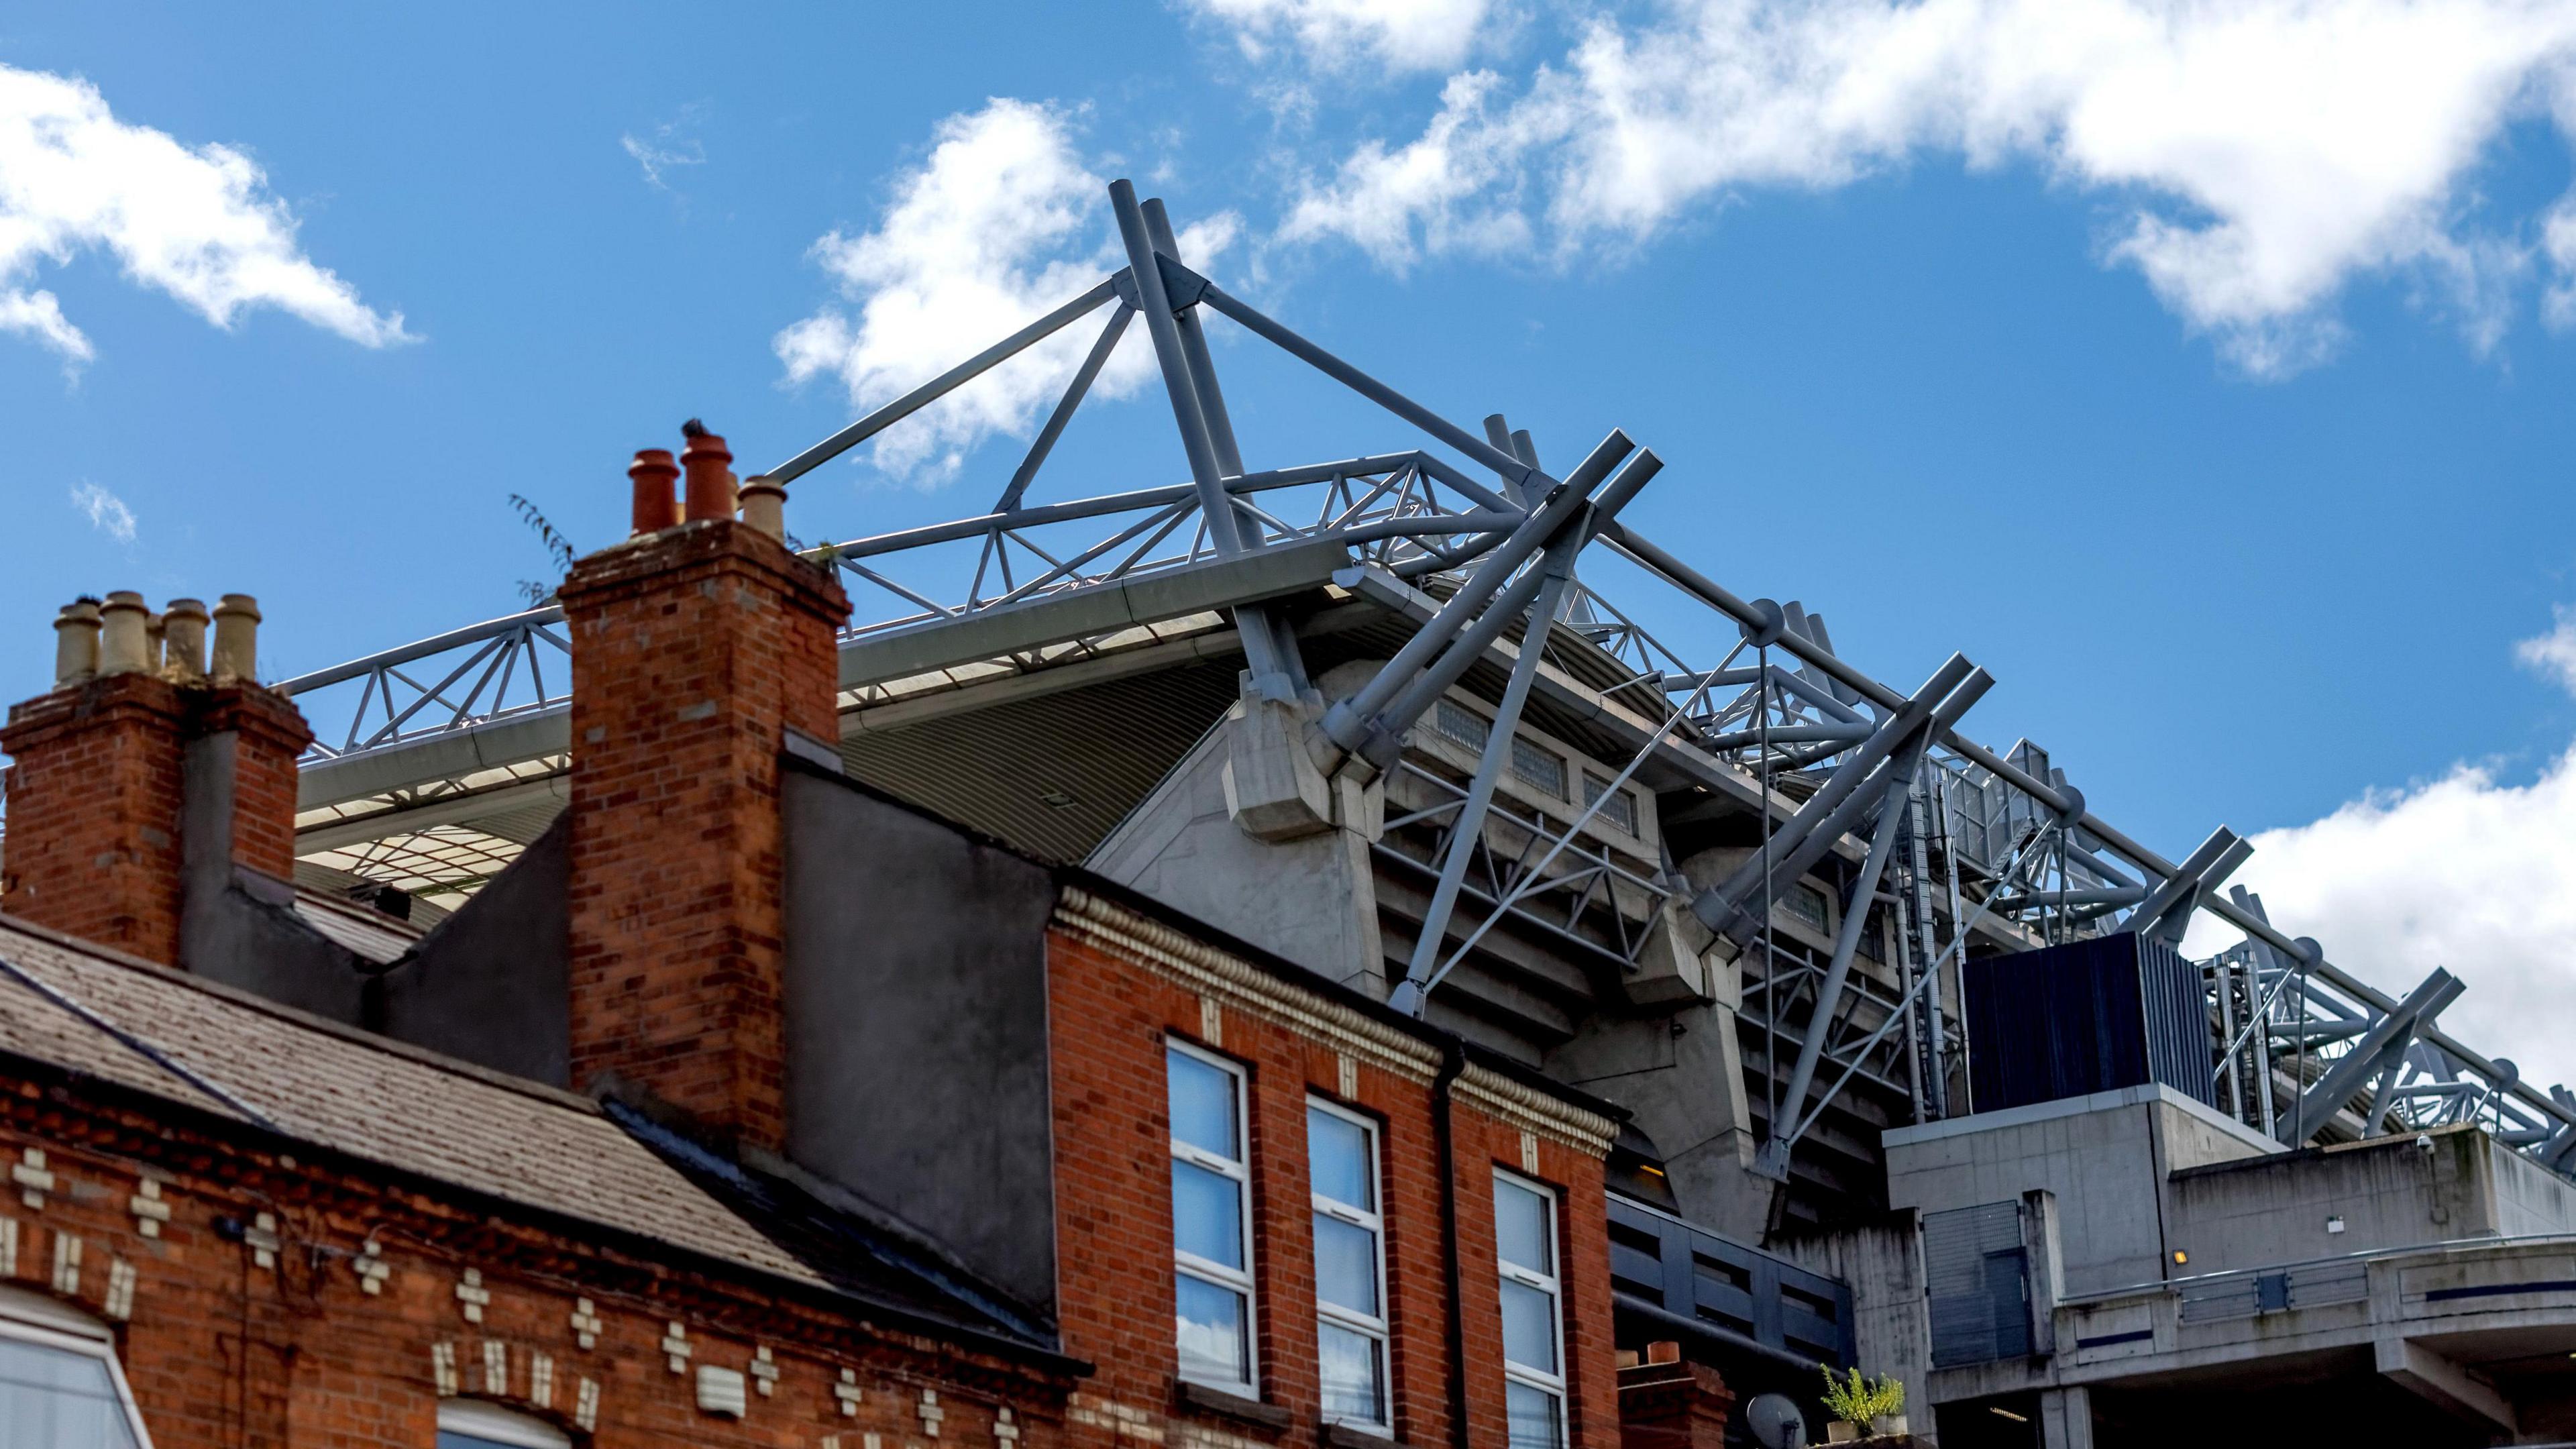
(297, 1016)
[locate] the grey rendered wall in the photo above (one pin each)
(1883, 1263)
(1313, 901)
(917, 1027)
(2530, 1198)
(2389, 1193)
(238, 926)
(1683, 1079)
(491, 983)
(2104, 1157)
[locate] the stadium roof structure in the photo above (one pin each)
(1040, 670)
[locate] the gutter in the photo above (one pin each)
(1453, 1063)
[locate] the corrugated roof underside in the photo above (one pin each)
(1051, 775)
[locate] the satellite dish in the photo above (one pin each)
(1776, 1421)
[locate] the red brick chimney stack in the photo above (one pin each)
(246, 742)
(697, 646)
(105, 764)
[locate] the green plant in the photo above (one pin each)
(558, 548)
(1857, 1400)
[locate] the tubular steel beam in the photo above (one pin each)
(1354, 722)
(942, 385)
(1789, 1120)
(1074, 392)
(2380, 1049)
(1805, 837)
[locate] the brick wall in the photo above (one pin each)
(1113, 1005)
(93, 805)
(96, 793)
(693, 650)
(224, 1350)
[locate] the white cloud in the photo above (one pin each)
(2558, 244)
(1337, 35)
(2257, 154)
(107, 512)
(2553, 653)
(669, 147)
(2464, 872)
(39, 314)
(198, 224)
(1000, 223)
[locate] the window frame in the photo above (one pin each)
(491, 1423)
(1381, 1329)
(1540, 766)
(1556, 1385)
(1621, 814)
(32, 1318)
(1238, 1281)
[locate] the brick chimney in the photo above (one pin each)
(144, 776)
(697, 645)
(1665, 1403)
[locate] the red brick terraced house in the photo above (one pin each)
(746, 1107)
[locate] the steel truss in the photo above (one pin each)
(1746, 698)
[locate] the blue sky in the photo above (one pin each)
(2197, 376)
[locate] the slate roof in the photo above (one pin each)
(225, 1052)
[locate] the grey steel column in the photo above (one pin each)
(1220, 425)
(1216, 505)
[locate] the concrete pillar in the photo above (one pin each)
(2066, 1418)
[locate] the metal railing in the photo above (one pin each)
(1729, 1289)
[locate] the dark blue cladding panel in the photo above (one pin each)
(2087, 1016)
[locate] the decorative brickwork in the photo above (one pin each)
(694, 649)
(314, 1352)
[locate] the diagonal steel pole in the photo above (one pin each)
(1354, 723)
(1074, 392)
(945, 383)
(1807, 835)
(2386, 1040)
(1773, 1159)
(1555, 571)
(1412, 993)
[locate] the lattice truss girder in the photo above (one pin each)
(1731, 703)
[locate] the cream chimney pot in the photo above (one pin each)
(236, 638)
(76, 643)
(183, 649)
(124, 643)
(764, 507)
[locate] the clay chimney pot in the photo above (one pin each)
(653, 473)
(125, 634)
(76, 643)
(710, 484)
(183, 641)
(764, 507)
(236, 639)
